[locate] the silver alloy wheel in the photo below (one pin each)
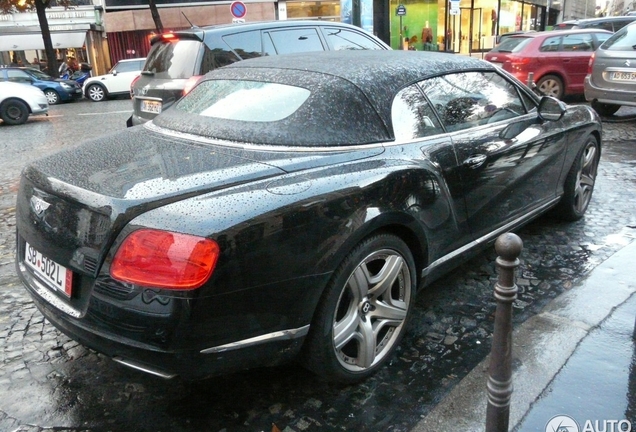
(585, 177)
(371, 310)
(550, 86)
(96, 93)
(52, 97)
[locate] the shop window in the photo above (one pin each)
(412, 116)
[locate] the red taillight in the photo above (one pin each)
(590, 64)
(165, 260)
(518, 63)
(132, 84)
(190, 83)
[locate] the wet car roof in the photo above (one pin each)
(352, 95)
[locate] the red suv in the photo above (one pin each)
(558, 58)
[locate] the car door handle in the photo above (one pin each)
(475, 161)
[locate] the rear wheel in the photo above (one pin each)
(363, 312)
(579, 183)
(52, 97)
(551, 85)
(605, 109)
(14, 112)
(96, 93)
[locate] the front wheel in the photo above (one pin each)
(96, 93)
(605, 109)
(551, 85)
(14, 112)
(363, 313)
(52, 97)
(579, 184)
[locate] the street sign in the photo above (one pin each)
(238, 9)
(401, 10)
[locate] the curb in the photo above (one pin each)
(541, 346)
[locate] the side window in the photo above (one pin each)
(469, 99)
(216, 58)
(550, 44)
(601, 37)
(16, 75)
(607, 25)
(343, 39)
(246, 44)
(296, 40)
(126, 67)
(412, 116)
(578, 43)
(268, 45)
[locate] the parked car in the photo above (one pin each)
(611, 76)
(116, 82)
(198, 50)
(291, 206)
(502, 37)
(56, 89)
(611, 23)
(18, 101)
(557, 59)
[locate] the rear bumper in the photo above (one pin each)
(188, 364)
(615, 97)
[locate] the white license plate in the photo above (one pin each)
(623, 76)
(56, 276)
(153, 107)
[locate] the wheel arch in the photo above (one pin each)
(402, 225)
(97, 83)
(13, 98)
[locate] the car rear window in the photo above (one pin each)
(244, 100)
(623, 40)
(173, 60)
(512, 44)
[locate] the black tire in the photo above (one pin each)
(579, 184)
(356, 311)
(605, 109)
(14, 112)
(96, 93)
(52, 96)
(551, 85)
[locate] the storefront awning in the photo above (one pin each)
(33, 41)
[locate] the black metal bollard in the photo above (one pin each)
(508, 247)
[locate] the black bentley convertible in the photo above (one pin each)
(290, 208)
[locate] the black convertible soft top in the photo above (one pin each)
(351, 96)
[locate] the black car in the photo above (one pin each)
(177, 60)
(291, 207)
(56, 90)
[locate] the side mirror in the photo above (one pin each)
(115, 73)
(551, 109)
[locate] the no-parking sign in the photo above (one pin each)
(238, 9)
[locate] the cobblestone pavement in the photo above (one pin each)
(50, 383)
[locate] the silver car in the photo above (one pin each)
(611, 78)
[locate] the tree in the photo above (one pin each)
(155, 15)
(40, 6)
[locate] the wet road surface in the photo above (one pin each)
(48, 381)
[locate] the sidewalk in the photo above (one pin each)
(573, 359)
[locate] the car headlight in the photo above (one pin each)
(66, 86)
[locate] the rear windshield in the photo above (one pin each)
(512, 44)
(173, 60)
(244, 100)
(623, 40)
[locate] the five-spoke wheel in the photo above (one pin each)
(363, 313)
